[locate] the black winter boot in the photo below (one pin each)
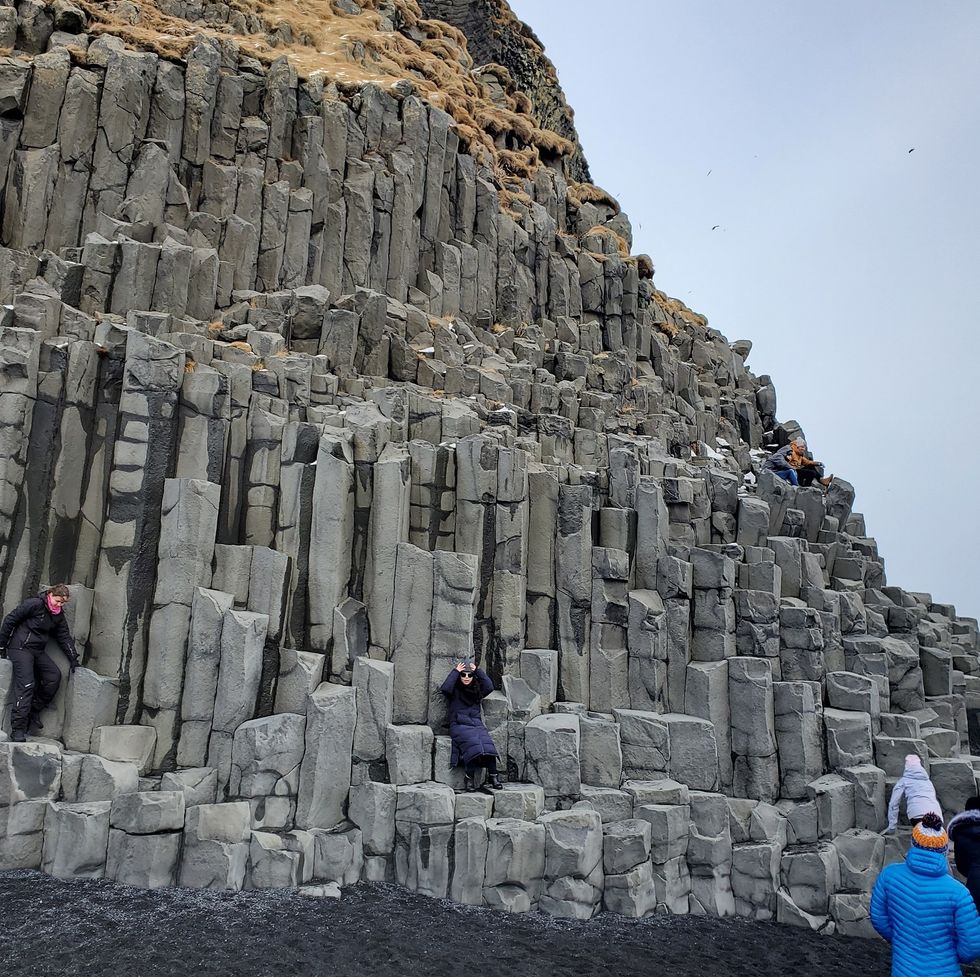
(494, 782)
(34, 726)
(17, 736)
(469, 783)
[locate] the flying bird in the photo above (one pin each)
(708, 173)
(715, 228)
(912, 150)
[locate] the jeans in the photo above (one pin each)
(787, 474)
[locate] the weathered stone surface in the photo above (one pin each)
(525, 802)
(338, 855)
(553, 749)
(266, 756)
(372, 809)
(148, 861)
(324, 776)
(147, 812)
(573, 865)
(409, 753)
(469, 861)
(88, 777)
(76, 840)
(224, 824)
(198, 785)
(515, 864)
(29, 772)
(374, 683)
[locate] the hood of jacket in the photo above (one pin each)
(965, 819)
(916, 773)
(929, 863)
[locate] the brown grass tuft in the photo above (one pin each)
(589, 193)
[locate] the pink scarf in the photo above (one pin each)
(53, 608)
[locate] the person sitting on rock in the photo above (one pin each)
(795, 464)
(465, 687)
(920, 796)
(926, 915)
(964, 833)
(24, 636)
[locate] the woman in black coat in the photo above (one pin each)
(466, 686)
(24, 636)
(964, 833)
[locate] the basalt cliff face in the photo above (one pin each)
(321, 369)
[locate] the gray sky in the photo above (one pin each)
(851, 263)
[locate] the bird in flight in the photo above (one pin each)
(715, 228)
(912, 150)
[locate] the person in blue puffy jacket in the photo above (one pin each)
(466, 687)
(927, 916)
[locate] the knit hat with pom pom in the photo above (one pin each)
(930, 834)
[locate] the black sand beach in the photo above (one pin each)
(50, 927)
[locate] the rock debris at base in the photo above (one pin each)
(310, 389)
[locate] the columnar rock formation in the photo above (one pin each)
(315, 379)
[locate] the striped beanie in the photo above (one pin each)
(930, 834)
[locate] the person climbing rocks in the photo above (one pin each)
(922, 911)
(920, 796)
(795, 464)
(466, 687)
(24, 636)
(964, 833)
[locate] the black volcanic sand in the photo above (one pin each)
(100, 929)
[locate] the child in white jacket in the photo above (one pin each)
(920, 795)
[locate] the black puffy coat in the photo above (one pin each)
(30, 625)
(964, 832)
(469, 733)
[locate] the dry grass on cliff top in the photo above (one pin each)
(351, 50)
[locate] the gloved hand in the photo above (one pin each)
(72, 665)
(887, 831)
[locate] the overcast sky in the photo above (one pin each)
(851, 263)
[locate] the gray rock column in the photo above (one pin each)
(573, 864)
(216, 846)
(707, 697)
(573, 581)
(411, 631)
(124, 587)
(647, 658)
(608, 662)
(552, 747)
(373, 682)
(325, 774)
(750, 701)
(76, 840)
(515, 864)
(388, 527)
(454, 592)
(541, 568)
(237, 686)
(331, 533)
(208, 608)
(189, 520)
(798, 736)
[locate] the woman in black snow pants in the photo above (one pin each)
(465, 687)
(24, 636)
